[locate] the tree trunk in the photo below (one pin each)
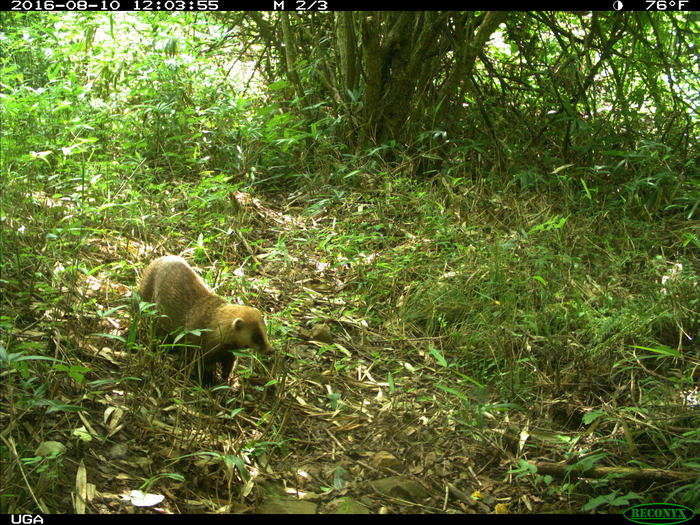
(347, 51)
(290, 54)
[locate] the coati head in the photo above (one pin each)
(235, 326)
(231, 327)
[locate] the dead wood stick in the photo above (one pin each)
(644, 474)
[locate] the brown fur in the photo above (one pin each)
(185, 301)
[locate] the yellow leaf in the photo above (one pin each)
(560, 168)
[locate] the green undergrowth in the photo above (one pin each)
(528, 298)
(515, 296)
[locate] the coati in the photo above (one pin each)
(185, 301)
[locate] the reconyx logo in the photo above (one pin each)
(658, 513)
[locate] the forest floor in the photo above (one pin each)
(361, 415)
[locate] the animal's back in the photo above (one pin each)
(175, 287)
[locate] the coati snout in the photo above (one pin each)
(185, 301)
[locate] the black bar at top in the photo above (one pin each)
(581, 6)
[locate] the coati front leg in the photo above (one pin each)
(208, 377)
(204, 373)
(227, 366)
(208, 368)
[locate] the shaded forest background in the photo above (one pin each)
(479, 224)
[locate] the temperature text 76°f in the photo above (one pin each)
(663, 5)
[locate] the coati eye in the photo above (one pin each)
(257, 338)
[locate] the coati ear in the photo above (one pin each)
(237, 323)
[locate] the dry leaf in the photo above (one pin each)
(80, 489)
(143, 499)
